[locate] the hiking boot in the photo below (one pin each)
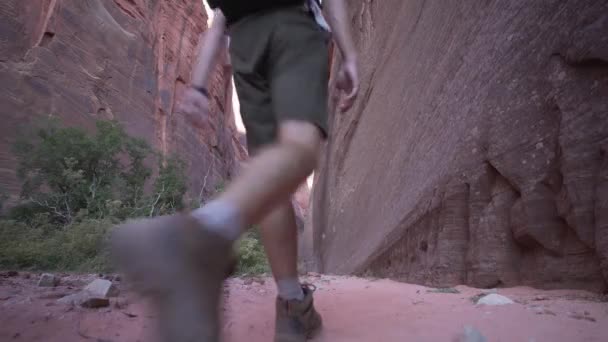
(181, 267)
(297, 321)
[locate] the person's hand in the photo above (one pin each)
(347, 81)
(195, 105)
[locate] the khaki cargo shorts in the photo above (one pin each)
(280, 61)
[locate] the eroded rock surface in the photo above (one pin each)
(477, 151)
(127, 60)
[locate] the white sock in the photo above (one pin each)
(221, 217)
(290, 289)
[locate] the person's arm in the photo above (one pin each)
(348, 76)
(338, 21)
(213, 42)
(196, 98)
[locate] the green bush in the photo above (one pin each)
(252, 259)
(68, 173)
(74, 247)
(77, 186)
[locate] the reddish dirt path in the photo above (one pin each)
(353, 309)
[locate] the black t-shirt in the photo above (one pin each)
(236, 9)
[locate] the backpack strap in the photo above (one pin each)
(316, 9)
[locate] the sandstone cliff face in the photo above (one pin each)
(129, 60)
(478, 150)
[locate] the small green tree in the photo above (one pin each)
(68, 174)
(251, 256)
(76, 186)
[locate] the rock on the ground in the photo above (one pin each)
(94, 295)
(48, 280)
(85, 299)
(494, 299)
(471, 334)
(102, 288)
(94, 303)
(477, 152)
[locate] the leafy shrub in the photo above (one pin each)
(76, 186)
(74, 247)
(252, 259)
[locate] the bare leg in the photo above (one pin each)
(195, 249)
(269, 180)
(262, 193)
(280, 239)
(279, 236)
(276, 172)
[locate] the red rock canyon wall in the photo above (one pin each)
(477, 152)
(129, 60)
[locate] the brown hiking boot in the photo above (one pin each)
(180, 266)
(297, 321)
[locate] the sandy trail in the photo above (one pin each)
(353, 310)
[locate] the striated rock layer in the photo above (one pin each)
(129, 60)
(478, 151)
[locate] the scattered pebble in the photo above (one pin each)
(85, 299)
(471, 334)
(494, 299)
(48, 280)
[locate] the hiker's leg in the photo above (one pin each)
(275, 172)
(289, 75)
(280, 239)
